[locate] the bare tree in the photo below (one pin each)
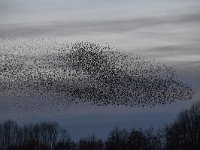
(184, 133)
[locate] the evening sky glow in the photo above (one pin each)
(168, 31)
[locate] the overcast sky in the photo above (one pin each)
(162, 27)
(167, 30)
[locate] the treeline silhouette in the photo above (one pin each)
(183, 134)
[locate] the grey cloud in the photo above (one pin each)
(188, 53)
(183, 49)
(115, 26)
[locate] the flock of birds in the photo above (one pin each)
(86, 72)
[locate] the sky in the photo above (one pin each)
(168, 31)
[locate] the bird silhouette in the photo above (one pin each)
(87, 72)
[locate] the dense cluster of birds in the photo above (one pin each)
(86, 72)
